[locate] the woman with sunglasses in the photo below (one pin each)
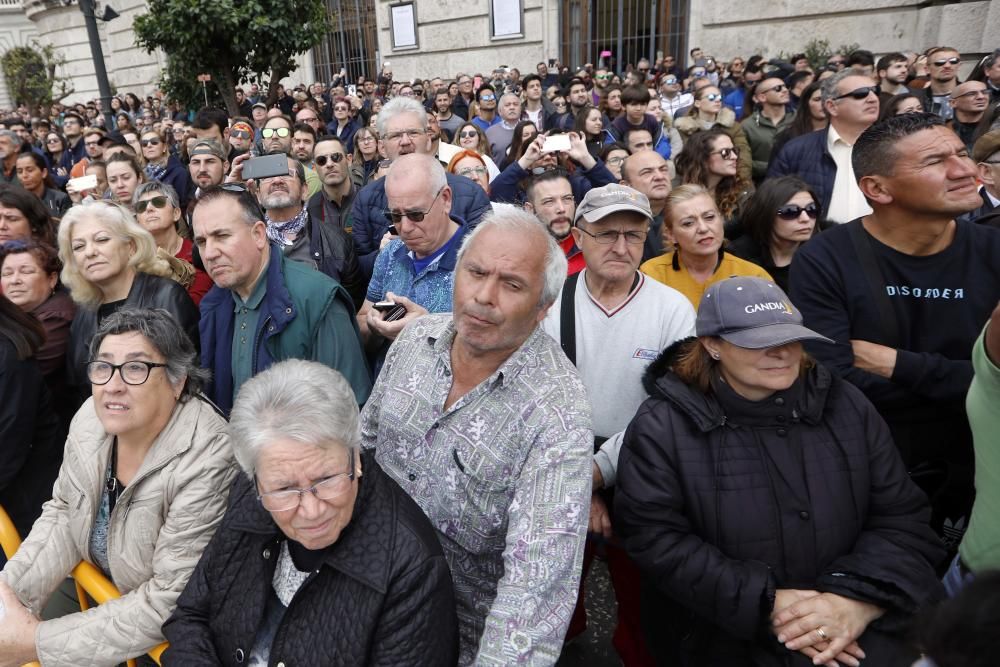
(54, 147)
(164, 167)
(693, 229)
(708, 113)
(158, 210)
(710, 159)
(783, 214)
(342, 125)
(143, 485)
(471, 138)
(110, 262)
(366, 155)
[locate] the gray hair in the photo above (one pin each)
(157, 188)
(511, 218)
(302, 401)
(398, 106)
(165, 333)
(828, 88)
(424, 164)
(12, 135)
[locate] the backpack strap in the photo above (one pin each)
(876, 282)
(567, 318)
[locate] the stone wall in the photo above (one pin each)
(454, 36)
(727, 28)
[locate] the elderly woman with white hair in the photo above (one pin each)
(110, 262)
(144, 481)
(321, 559)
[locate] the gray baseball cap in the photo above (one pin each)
(751, 313)
(208, 147)
(601, 202)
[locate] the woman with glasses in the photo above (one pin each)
(366, 155)
(54, 147)
(711, 160)
(321, 559)
(693, 230)
(158, 210)
(614, 156)
(783, 214)
(144, 482)
(343, 126)
(164, 167)
(109, 263)
(765, 504)
(708, 113)
(471, 165)
(34, 176)
(124, 176)
(471, 138)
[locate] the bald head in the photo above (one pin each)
(417, 167)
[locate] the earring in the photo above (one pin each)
(715, 355)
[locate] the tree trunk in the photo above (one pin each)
(227, 88)
(277, 74)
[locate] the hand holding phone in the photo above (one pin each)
(391, 311)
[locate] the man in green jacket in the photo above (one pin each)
(769, 117)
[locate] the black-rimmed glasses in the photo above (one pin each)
(132, 372)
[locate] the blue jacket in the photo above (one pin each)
(661, 141)
(70, 157)
(347, 136)
(506, 187)
(734, 100)
(808, 158)
(370, 223)
(304, 315)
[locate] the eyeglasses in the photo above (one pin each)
(713, 97)
(776, 89)
(340, 108)
(413, 134)
(149, 142)
(239, 134)
(321, 160)
(793, 211)
(269, 132)
(946, 61)
(615, 160)
(468, 134)
(559, 105)
(472, 172)
(415, 216)
(132, 372)
(332, 487)
(972, 93)
(156, 202)
(487, 98)
(610, 237)
(859, 93)
(727, 153)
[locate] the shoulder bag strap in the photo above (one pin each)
(567, 318)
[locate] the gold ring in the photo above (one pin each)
(822, 633)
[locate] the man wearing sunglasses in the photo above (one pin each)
(332, 204)
(487, 115)
(770, 116)
(904, 292)
(823, 158)
(672, 99)
(968, 102)
(942, 66)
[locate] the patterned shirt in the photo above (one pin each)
(503, 474)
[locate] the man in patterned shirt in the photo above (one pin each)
(482, 419)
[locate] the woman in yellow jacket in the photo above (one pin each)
(692, 226)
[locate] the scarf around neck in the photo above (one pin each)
(276, 231)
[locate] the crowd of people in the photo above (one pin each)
(371, 373)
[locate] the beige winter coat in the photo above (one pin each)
(159, 527)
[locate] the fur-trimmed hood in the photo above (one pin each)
(688, 125)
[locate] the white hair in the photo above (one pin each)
(517, 220)
(302, 401)
(398, 106)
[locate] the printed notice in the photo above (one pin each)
(404, 26)
(506, 17)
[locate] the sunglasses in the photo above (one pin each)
(321, 160)
(603, 76)
(239, 134)
(149, 142)
(269, 132)
(670, 82)
(793, 211)
(859, 93)
(414, 216)
(487, 98)
(776, 89)
(713, 97)
(155, 202)
(727, 153)
(946, 61)
(468, 134)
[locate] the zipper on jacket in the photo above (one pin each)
(258, 340)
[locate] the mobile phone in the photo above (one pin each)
(352, 89)
(266, 166)
(88, 182)
(393, 230)
(557, 142)
(391, 311)
(552, 62)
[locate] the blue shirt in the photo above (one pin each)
(483, 124)
(397, 271)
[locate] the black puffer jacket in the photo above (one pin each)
(720, 501)
(147, 291)
(383, 595)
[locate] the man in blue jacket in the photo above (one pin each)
(264, 307)
(402, 124)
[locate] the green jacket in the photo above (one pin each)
(760, 132)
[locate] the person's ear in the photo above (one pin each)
(259, 234)
(986, 174)
(711, 346)
(875, 189)
(529, 207)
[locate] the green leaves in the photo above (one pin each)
(30, 72)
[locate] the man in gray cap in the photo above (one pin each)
(611, 321)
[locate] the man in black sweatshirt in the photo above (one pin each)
(904, 292)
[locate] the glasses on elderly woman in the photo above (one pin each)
(330, 488)
(131, 372)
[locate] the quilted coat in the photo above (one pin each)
(381, 596)
(721, 501)
(159, 527)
